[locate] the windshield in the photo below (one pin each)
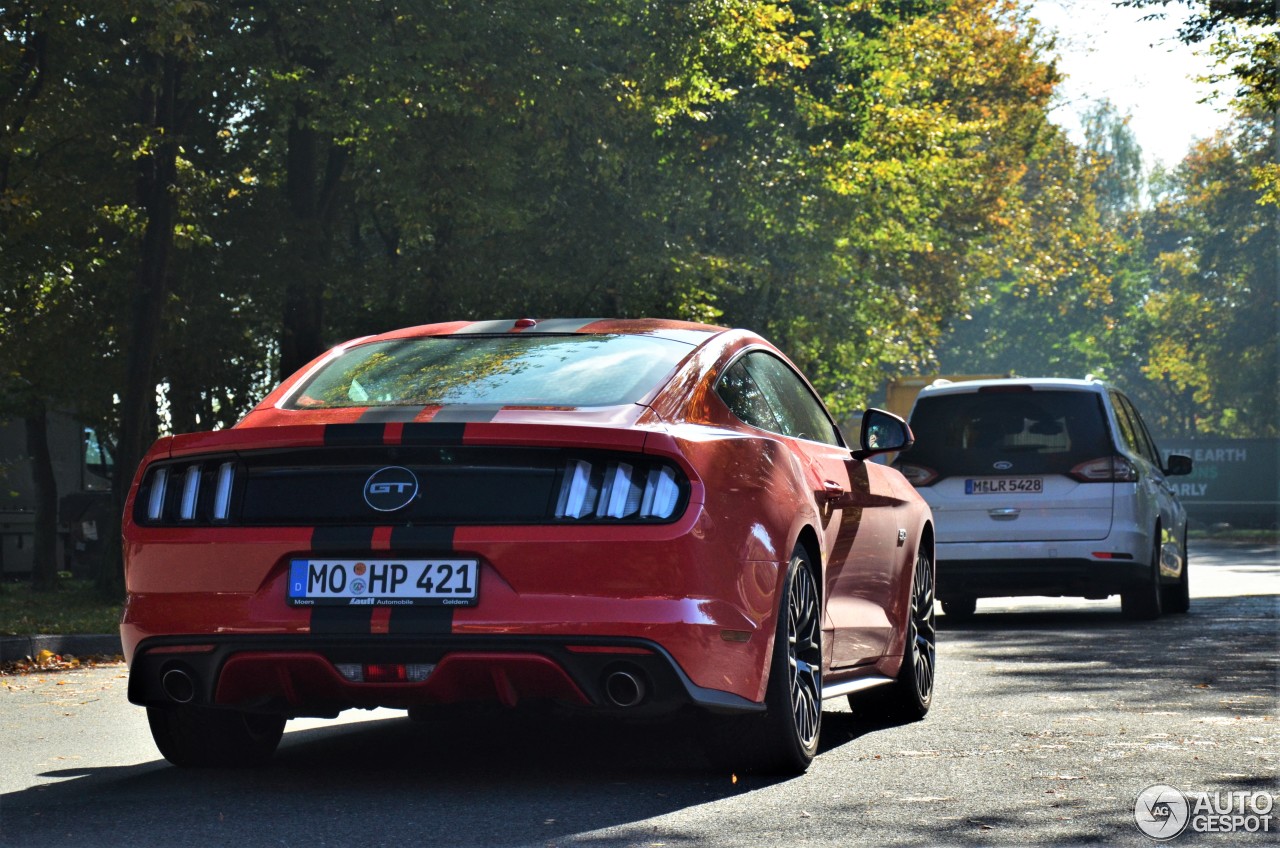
(508, 370)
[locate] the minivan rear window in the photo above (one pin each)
(1037, 432)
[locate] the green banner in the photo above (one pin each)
(1234, 480)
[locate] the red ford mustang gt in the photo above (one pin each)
(637, 517)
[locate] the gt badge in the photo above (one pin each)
(391, 488)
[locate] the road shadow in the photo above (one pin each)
(1222, 657)
(493, 779)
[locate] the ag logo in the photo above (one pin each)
(1161, 812)
(390, 488)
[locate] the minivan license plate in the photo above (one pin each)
(1004, 486)
(383, 582)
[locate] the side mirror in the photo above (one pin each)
(882, 432)
(1178, 465)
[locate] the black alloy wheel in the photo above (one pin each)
(784, 738)
(922, 635)
(909, 697)
(804, 653)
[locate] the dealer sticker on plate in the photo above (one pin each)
(383, 582)
(1004, 486)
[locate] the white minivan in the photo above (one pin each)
(1048, 487)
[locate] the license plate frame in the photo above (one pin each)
(383, 581)
(1004, 486)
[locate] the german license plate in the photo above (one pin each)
(1004, 486)
(383, 582)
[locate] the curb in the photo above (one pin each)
(80, 645)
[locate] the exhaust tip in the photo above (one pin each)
(178, 686)
(624, 688)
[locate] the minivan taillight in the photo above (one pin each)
(1107, 469)
(918, 475)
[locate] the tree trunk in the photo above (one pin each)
(44, 573)
(157, 176)
(312, 196)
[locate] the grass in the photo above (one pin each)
(74, 607)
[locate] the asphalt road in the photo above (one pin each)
(1050, 717)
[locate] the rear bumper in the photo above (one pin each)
(994, 578)
(299, 676)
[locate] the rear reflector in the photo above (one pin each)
(385, 672)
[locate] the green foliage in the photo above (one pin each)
(841, 176)
(1064, 296)
(1244, 38)
(1175, 302)
(1208, 326)
(73, 607)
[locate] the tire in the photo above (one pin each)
(200, 737)
(909, 697)
(959, 609)
(1145, 602)
(1177, 598)
(784, 739)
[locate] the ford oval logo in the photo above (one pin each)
(390, 488)
(1002, 465)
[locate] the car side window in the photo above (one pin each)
(1128, 432)
(1149, 449)
(799, 412)
(745, 400)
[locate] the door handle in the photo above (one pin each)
(1007, 514)
(834, 493)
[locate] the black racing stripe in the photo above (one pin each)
(467, 413)
(419, 621)
(432, 433)
(324, 539)
(561, 325)
(503, 326)
(353, 434)
(341, 619)
(423, 539)
(390, 414)
(344, 620)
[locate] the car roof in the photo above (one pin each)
(944, 387)
(685, 331)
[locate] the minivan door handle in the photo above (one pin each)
(1006, 514)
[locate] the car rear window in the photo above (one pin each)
(1038, 432)
(509, 370)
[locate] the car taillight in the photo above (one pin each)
(918, 475)
(1106, 469)
(618, 490)
(188, 493)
